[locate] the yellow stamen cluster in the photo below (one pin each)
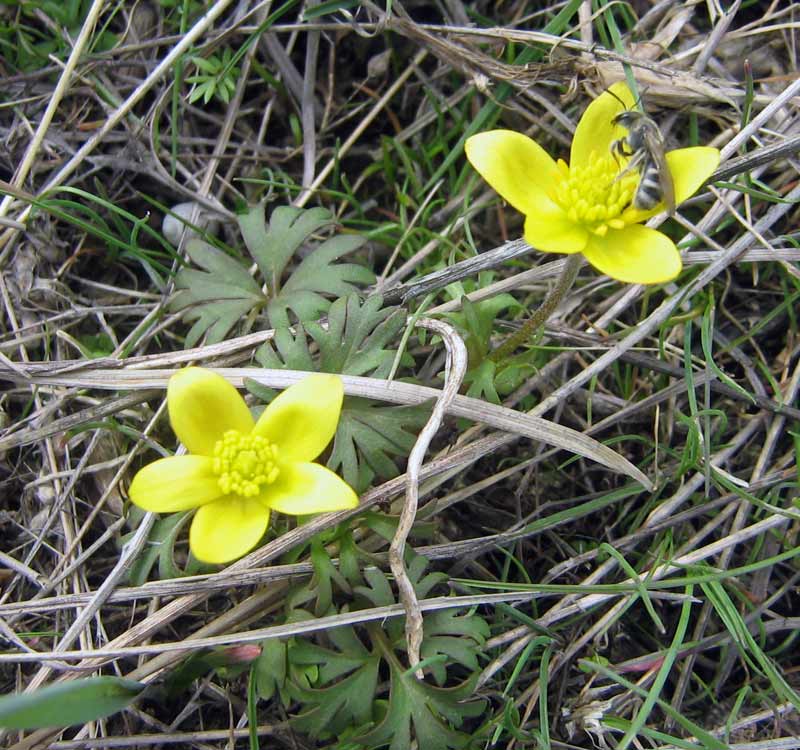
(596, 194)
(243, 463)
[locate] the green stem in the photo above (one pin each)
(539, 318)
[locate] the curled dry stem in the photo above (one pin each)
(455, 369)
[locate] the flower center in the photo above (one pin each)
(595, 194)
(243, 463)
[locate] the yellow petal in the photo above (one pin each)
(635, 254)
(202, 407)
(551, 231)
(309, 488)
(518, 168)
(174, 483)
(227, 529)
(690, 168)
(595, 131)
(302, 420)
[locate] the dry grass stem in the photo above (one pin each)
(608, 517)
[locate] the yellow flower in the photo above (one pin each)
(586, 207)
(238, 469)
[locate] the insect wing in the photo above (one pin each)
(655, 147)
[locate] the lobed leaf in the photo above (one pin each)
(458, 637)
(356, 341)
(429, 711)
(215, 298)
(369, 438)
(224, 292)
(289, 227)
(270, 668)
(348, 700)
(318, 277)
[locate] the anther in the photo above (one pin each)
(243, 463)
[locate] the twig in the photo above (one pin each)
(455, 369)
(64, 81)
(376, 388)
(307, 108)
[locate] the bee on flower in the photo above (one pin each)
(589, 206)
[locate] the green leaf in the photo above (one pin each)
(289, 227)
(480, 380)
(286, 350)
(216, 76)
(217, 297)
(476, 321)
(270, 668)
(357, 337)
(316, 278)
(345, 698)
(357, 341)
(349, 673)
(325, 575)
(346, 702)
(160, 548)
(430, 711)
(193, 667)
(378, 592)
(68, 703)
(458, 637)
(370, 436)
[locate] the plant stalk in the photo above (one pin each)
(540, 316)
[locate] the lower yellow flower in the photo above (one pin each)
(239, 470)
(585, 207)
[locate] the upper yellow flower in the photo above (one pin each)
(586, 207)
(240, 469)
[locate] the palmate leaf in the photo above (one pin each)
(217, 297)
(476, 322)
(345, 697)
(356, 341)
(457, 637)
(431, 711)
(349, 673)
(224, 292)
(378, 590)
(357, 336)
(348, 701)
(271, 668)
(273, 247)
(369, 438)
(317, 277)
